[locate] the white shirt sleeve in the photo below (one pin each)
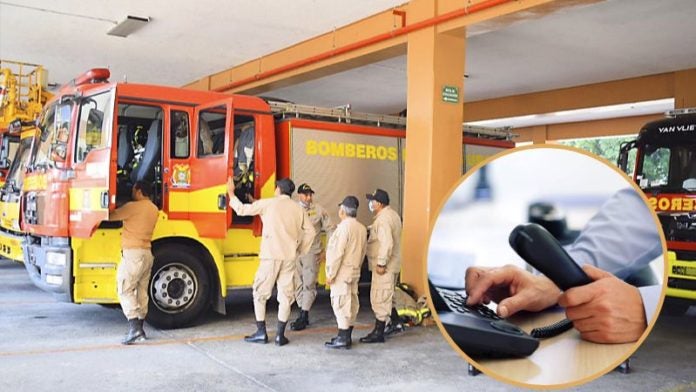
(621, 238)
(651, 296)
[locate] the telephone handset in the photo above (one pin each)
(542, 251)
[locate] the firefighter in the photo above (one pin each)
(308, 265)
(139, 218)
(244, 162)
(287, 233)
(344, 255)
(384, 260)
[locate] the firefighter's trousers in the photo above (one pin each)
(345, 303)
(269, 273)
(307, 270)
(133, 276)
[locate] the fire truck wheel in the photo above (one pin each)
(179, 287)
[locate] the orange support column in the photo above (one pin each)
(435, 71)
(539, 134)
(684, 89)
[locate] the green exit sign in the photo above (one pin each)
(450, 94)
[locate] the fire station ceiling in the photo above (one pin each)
(586, 43)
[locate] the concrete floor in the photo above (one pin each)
(45, 345)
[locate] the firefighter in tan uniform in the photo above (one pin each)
(286, 234)
(344, 256)
(384, 260)
(133, 275)
(308, 265)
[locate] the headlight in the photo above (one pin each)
(57, 259)
(54, 279)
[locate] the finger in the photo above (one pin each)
(577, 313)
(514, 304)
(595, 273)
(472, 275)
(587, 325)
(577, 296)
(488, 279)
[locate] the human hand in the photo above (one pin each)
(330, 281)
(381, 269)
(608, 310)
(513, 288)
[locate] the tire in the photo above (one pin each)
(179, 287)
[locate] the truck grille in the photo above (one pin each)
(686, 255)
(680, 227)
(683, 284)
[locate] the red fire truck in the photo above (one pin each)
(665, 168)
(98, 138)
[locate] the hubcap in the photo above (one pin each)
(174, 287)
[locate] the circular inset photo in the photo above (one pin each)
(546, 267)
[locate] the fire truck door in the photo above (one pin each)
(210, 168)
(89, 190)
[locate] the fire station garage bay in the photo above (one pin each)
(298, 195)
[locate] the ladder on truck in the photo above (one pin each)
(346, 115)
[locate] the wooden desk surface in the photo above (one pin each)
(563, 359)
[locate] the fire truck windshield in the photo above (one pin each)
(668, 168)
(54, 125)
(14, 178)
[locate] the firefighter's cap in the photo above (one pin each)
(305, 189)
(350, 202)
(286, 186)
(379, 195)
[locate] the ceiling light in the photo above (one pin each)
(128, 26)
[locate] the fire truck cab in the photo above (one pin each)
(665, 168)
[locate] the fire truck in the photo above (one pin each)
(22, 96)
(664, 157)
(184, 143)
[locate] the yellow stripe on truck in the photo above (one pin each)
(86, 199)
(201, 200)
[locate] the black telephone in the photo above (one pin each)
(478, 331)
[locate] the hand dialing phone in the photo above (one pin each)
(478, 331)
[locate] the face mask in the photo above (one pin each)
(371, 206)
(304, 204)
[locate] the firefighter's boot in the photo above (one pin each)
(301, 322)
(280, 339)
(134, 334)
(350, 335)
(340, 341)
(140, 327)
(376, 335)
(395, 326)
(260, 335)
